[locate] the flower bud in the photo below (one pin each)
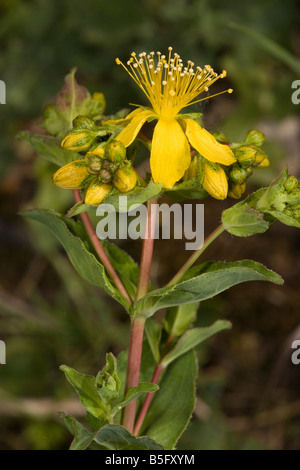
(261, 159)
(78, 140)
(104, 176)
(255, 137)
(290, 183)
(245, 155)
(221, 137)
(97, 150)
(115, 151)
(215, 180)
(125, 179)
(238, 175)
(84, 122)
(236, 190)
(97, 192)
(72, 175)
(93, 163)
(192, 171)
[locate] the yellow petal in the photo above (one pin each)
(72, 175)
(215, 180)
(130, 132)
(206, 144)
(170, 153)
(125, 119)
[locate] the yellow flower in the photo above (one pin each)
(171, 86)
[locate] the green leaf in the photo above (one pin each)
(133, 393)
(115, 437)
(172, 406)
(193, 338)
(82, 436)
(178, 319)
(195, 288)
(153, 331)
(82, 259)
(72, 100)
(107, 380)
(190, 189)
(49, 148)
(126, 268)
(85, 387)
(243, 221)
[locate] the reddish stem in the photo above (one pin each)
(133, 368)
(99, 249)
(148, 399)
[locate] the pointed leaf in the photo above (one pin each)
(133, 393)
(193, 338)
(153, 331)
(82, 436)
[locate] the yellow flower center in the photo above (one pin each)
(167, 83)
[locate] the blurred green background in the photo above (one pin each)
(248, 389)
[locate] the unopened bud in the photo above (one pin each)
(72, 175)
(84, 122)
(255, 137)
(78, 140)
(97, 192)
(93, 163)
(192, 171)
(261, 159)
(236, 190)
(221, 137)
(245, 155)
(97, 150)
(215, 180)
(104, 176)
(290, 183)
(125, 179)
(115, 151)
(238, 175)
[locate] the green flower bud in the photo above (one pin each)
(78, 140)
(245, 155)
(104, 176)
(84, 122)
(290, 183)
(221, 137)
(115, 151)
(97, 192)
(93, 163)
(125, 179)
(255, 137)
(238, 175)
(236, 190)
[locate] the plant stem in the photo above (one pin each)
(220, 229)
(155, 378)
(147, 250)
(99, 249)
(138, 324)
(158, 370)
(133, 368)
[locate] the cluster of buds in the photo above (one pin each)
(103, 167)
(292, 188)
(249, 155)
(221, 181)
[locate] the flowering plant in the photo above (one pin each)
(144, 398)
